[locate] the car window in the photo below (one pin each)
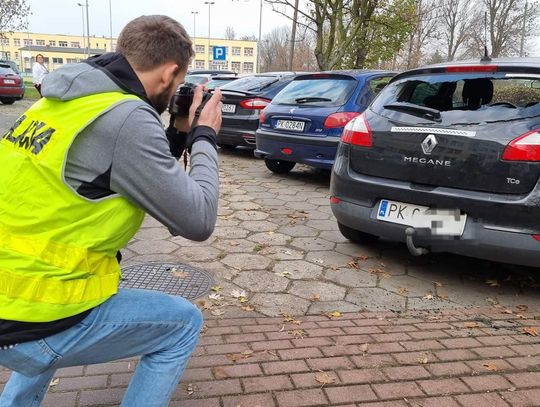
(466, 98)
(251, 83)
(378, 84)
(196, 79)
(317, 92)
(214, 83)
(6, 71)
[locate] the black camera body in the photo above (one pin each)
(183, 98)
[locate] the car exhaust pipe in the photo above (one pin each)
(415, 251)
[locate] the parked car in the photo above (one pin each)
(243, 100)
(447, 158)
(305, 120)
(13, 65)
(219, 80)
(202, 77)
(11, 85)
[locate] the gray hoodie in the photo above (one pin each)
(125, 151)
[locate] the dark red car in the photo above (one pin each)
(11, 85)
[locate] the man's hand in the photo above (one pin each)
(211, 113)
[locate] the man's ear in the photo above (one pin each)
(169, 73)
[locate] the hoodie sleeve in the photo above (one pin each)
(144, 171)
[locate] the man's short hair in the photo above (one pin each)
(149, 41)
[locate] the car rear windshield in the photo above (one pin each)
(317, 92)
(214, 83)
(251, 83)
(6, 71)
(461, 98)
(196, 79)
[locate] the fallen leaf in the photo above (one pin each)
(334, 314)
(248, 308)
(493, 283)
(238, 294)
(283, 274)
(215, 296)
(205, 304)
(318, 261)
(238, 356)
(363, 347)
(290, 319)
(217, 312)
(470, 325)
(492, 367)
(315, 297)
(353, 265)
(423, 360)
(403, 290)
(362, 257)
(216, 288)
(247, 352)
(437, 284)
(298, 333)
(324, 378)
(243, 300)
(54, 382)
(532, 330)
(507, 311)
(180, 274)
(191, 388)
(221, 373)
(428, 297)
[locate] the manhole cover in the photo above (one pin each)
(172, 278)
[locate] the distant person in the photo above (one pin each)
(39, 70)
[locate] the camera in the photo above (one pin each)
(183, 98)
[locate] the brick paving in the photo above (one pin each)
(474, 357)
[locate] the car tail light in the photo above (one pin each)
(524, 148)
(339, 119)
(255, 103)
(262, 117)
(286, 151)
(472, 68)
(334, 200)
(357, 132)
(536, 237)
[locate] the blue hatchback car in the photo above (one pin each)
(304, 122)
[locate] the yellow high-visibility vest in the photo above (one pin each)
(57, 249)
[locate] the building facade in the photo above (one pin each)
(60, 49)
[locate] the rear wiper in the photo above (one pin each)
(265, 86)
(242, 92)
(422, 111)
(312, 99)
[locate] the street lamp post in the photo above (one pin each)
(110, 22)
(87, 28)
(259, 41)
(194, 15)
(209, 4)
(83, 30)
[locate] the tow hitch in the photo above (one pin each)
(415, 251)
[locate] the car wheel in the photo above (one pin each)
(227, 146)
(7, 101)
(279, 166)
(355, 235)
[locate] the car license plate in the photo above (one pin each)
(290, 125)
(9, 81)
(226, 108)
(441, 222)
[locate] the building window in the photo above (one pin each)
(17, 42)
(236, 51)
(4, 41)
(40, 42)
(248, 67)
(52, 43)
(248, 52)
(199, 64)
(58, 60)
(62, 43)
(235, 66)
(16, 55)
(71, 61)
(28, 41)
(211, 50)
(75, 44)
(199, 49)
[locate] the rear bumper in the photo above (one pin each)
(477, 240)
(317, 152)
(238, 132)
(494, 229)
(8, 92)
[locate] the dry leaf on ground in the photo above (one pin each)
(492, 367)
(353, 265)
(298, 333)
(248, 308)
(532, 330)
(239, 356)
(333, 314)
(54, 382)
(216, 288)
(324, 378)
(315, 297)
(470, 325)
(215, 296)
(221, 373)
(217, 312)
(180, 274)
(493, 283)
(364, 347)
(403, 290)
(238, 293)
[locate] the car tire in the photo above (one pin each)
(7, 101)
(227, 146)
(279, 166)
(355, 235)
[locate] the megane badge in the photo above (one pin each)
(429, 144)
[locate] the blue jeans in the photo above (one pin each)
(163, 329)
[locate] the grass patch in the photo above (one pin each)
(30, 92)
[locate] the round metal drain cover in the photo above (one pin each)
(172, 278)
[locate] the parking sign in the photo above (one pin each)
(219, 53)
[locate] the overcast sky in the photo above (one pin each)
(65, 16)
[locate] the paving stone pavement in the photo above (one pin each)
(437, 330)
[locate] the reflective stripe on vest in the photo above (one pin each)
(57, 249)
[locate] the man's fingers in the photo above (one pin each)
(216, 97)
(197, 96)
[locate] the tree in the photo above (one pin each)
(425, 23)
(248, 38)
(456, 17)
(13, 14)
(230, 34)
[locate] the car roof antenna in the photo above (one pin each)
(486, 57)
